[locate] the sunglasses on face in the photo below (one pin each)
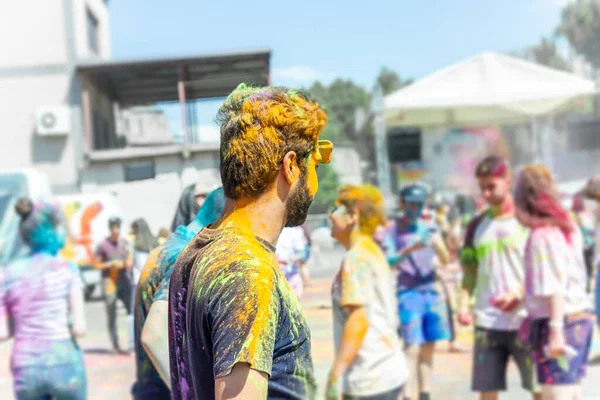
(325, 148)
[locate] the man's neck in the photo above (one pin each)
(114, 239)
(504, 209)
(263, 217)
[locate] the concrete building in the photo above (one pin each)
(61, 99)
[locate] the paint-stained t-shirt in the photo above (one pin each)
(499, 245)
(365, 279)
(153, 286)
(229, 303)
(34, 293)
(555, 266)
(417, 271)
(108, 251)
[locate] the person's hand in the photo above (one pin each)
(119, 264)
(507, 302)
(556, 344)
(464, 316)
(332, 391)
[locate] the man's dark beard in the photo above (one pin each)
(299, 203)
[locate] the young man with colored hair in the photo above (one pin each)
(236, 328)
(492, 258)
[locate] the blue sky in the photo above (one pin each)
(320, 39)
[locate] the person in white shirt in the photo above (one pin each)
(561, 321)
(369, 360)
(492, 258)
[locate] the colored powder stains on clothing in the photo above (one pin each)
(365, 280)
(417, 270)
(34, 294)
(554, 265)
(499, 246)
(108, 251)
(229, 303)
(153, 286)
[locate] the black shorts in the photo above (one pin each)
(493, 349)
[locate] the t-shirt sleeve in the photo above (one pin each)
(356, 281)
(244, 318)
(547, 264)
(75, 275)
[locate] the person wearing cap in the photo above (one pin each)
(493, 262)
(412, 245)
(191, 200)
(151, 307)
(114, 259)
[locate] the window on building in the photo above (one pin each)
(92, 32)
(139, 170)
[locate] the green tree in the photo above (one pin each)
(329, 184)
(580, 25)
(341, 99)
(544, 53)
(390, 81)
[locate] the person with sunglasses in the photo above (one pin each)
(414, 246)
(369, 360)
(236, 328)
(493, 274)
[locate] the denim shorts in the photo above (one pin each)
(423, 317)
(578, 334)
(60, 382)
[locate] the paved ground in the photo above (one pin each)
(110, 376)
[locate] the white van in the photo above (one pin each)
(87, 215)
(13, 185)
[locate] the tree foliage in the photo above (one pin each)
(580, 25)
(390, 81)
(329, 184)
(544, 53)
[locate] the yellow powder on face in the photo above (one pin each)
(367, 200)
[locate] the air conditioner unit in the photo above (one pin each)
(53, 121)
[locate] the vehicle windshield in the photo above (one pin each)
(12, 186)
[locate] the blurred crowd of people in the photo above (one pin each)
(213, 306)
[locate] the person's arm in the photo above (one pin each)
(77, 308)
(242, 383)
(353, 335)
(357, 291)
(155, 339)
(6, 323)
(99, 260)
(440, 250)
(557, 342)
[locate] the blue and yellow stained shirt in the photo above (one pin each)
(417, 271)
(230, 303)
(153, 286)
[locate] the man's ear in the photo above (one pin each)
(290, 167)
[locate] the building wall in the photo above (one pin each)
(20, 145)
(99, 9)
(152, 199)
(346, 163)
(33, 33)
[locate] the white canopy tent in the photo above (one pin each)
(488, 88)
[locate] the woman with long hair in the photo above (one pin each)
(41, 306)
(560, 320)
(143, 243)
(369, 360)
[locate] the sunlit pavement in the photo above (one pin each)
(110, 376)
